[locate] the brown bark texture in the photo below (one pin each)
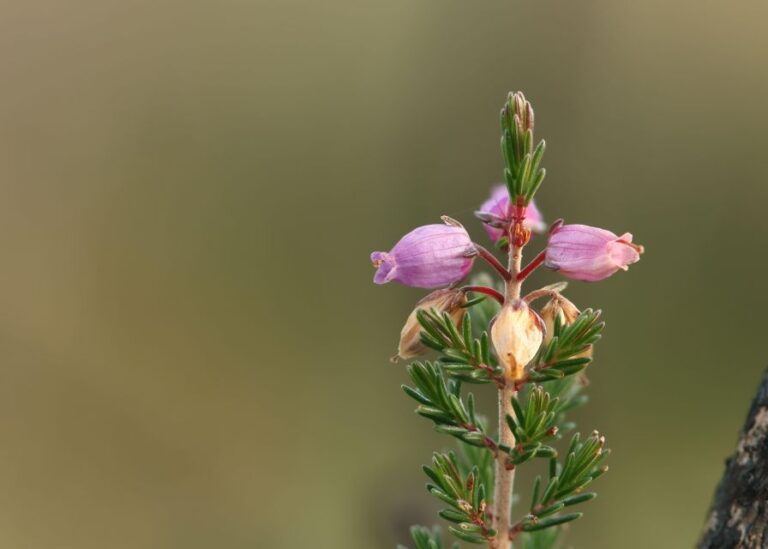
(738, 517)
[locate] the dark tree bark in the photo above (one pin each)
(739, 514)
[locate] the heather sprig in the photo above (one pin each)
(487, 332)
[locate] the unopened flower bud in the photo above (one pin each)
(443, 301)
(516, 333)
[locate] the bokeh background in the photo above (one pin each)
(193, 353)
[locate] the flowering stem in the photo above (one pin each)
(498, 296)
(505, 476)
(493, 262)
(532, 266)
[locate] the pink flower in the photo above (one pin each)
(427, 257)
(587, 253)
(497, 207)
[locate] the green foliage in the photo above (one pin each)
(465, 494)
(426, 539)
(472, 457)
(538, 422)
(523, 172)
(569, 393)
(534, 422)
(464, 357)
(565, 484)
(565, 353)
(440, 401)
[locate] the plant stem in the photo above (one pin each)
(493, 262)
(532, 266)
(505, 477)
(552, 290)
(498, 296)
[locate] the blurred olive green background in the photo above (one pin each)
(193, 352)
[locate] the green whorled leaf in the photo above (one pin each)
(458, 409)
(434, 477)
(428, 325)
(454, 516)
(437, 415)
(551, 510)
(551, 521)
(549, 351)
(548, 374)
(456, 367)
(571, 369)
(485, 349)
(461, 486)
(478, 496)
(599, 472)
(579, 498)
(474, 438)
(471, 408)
(454, 490)
(551, 487)
(554, 467)
(571, 362)
(474, 301)
(470, 528)
(519, 414)
(431, 342)
(535, 183)
(574, 443)
(538, 154)
(470, 537)
(466, 330)
(482, 461)
(535, 492)
(445, 498)
(454, 430)
(546, 452)
(453, 333)
(416, 395)
(479, 376)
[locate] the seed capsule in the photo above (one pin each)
(516, 333)
(562, 307)
(443, 301)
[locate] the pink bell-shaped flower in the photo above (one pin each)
(588, 253)
(498, 208)
(430, 256)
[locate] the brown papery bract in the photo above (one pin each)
(449, 301)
